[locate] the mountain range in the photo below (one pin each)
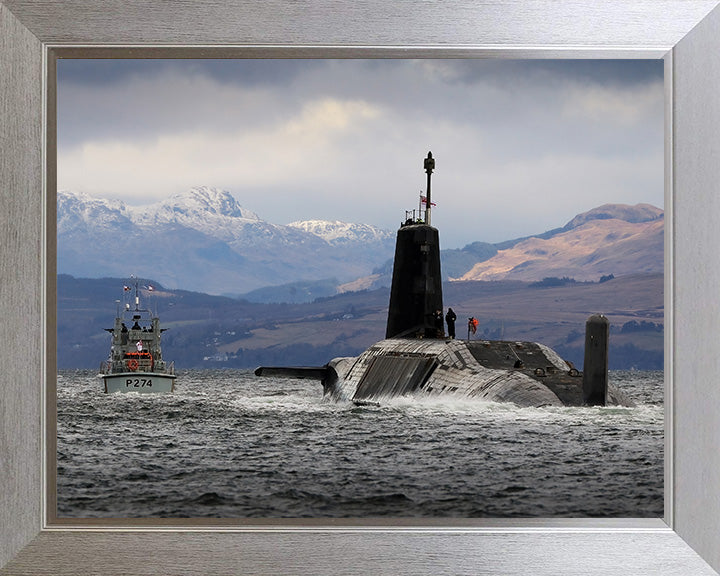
(614, 239)
(610, 240)
(203, 240)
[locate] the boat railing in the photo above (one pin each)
(414, 217)
(171, 368)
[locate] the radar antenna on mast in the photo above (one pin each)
(429, 166)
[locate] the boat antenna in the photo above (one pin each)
(429, 166)
(137, 296)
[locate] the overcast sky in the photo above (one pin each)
(520, 146)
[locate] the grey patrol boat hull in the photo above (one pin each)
(142, 382)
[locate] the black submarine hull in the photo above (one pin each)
(527, 374)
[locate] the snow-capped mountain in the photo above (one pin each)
(339, 233)
(204, 240)
(78, 211)
(213, 211)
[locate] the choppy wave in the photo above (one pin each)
(227, 444)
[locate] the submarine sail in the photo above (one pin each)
(416, 302)
(416, 358)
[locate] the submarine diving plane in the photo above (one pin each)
(417, 359)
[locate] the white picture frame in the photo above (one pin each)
(684, 32)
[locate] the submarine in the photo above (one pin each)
(418, 359)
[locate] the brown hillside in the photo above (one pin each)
(510, 310)
(595, 248)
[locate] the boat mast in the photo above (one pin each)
(137, 296)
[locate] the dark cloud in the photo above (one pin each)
(612, 73)
(100, 99)
(99, 72)
(280, 71)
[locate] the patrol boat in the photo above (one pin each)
(417, 359)
(135, 363)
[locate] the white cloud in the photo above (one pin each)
(291, 151)
(606, 103)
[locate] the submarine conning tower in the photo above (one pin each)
(416, 305)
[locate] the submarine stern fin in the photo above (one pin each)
(299, 372)
(327, 375)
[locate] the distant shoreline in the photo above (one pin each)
(219, 332)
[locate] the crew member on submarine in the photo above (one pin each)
(450, 318)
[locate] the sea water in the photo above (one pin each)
(227, 444)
